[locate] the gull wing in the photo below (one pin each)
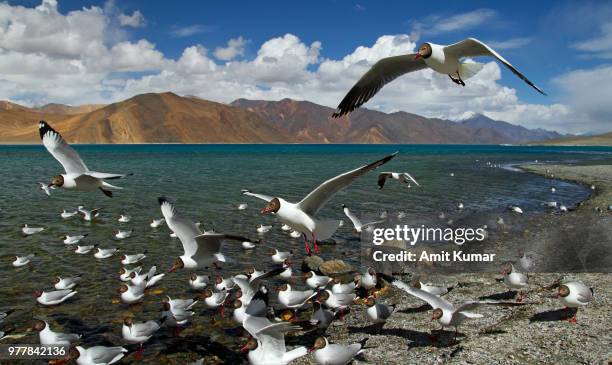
(408, 176)
(60, 150)
(433, 300)
(259, 196)
(208, 244)
(185, 229)
(356, 222)
(324, 192)
(57, 294)
(472, 47)
(382, 178)
(382, 73)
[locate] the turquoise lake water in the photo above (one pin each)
(205, 180)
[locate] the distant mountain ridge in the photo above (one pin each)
(170, 118)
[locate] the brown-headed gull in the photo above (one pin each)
(148, 279)
(133, 259)
(222, 283)
(336, 300)
(28, 231)
(65, 214)
(402, 177)
(270, 336)
(97, 355)
(430, 288)
(262, 228)
(125, 273)
(368, 279)
(53, 297)
(200, 249)
(124, 218)
(315, 281)
(104, 253)
(514, 279)
(279, 257)
(61, 283)
(123, 234)
(326, 353)
(77, 176)
(131, 293)
(214, 300)
(138, 333)
(156, 222)
(442, 59)
(198, 282)
(88, 215)
(378, 312)
(71, 240)
(293, 299)
(19, 261)
(339, 288)
(302, 216)
(359, 226)
(574, 295)
(83, 250)
(47, 337)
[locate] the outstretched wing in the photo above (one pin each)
(184, 229)
(433, 300)
(60, 150)
(259, 196)
(356, 222)
(324, 192)
(472, 47)
(382, 73)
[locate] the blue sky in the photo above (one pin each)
(104, 51)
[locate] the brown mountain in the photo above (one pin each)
(312, 123)
(54, 108)
(158, 118)
(169, 118)
(596, 140)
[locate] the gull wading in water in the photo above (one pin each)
(77, 176)
(442, 59)
(301, 216)
(200, 249)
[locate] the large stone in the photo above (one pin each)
(335, 267)
(311, 263)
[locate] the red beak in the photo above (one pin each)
(173, 268)
(311, 349)
(264, 210)
(433, 318)
(417, 56)
(244, 349)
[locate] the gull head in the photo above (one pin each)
(416, 283)
(74, 353)
(563, 291)
(38, 325)
(424, 51)
(207, 293)
(323, 296)
(57, 181)
(178, 264)
(272, 207)
(128, 321)
(237, 304)
(238, 294)
(37, 293)
(194, 276)
(56, 280)
(250, 345)
(319, 343)
(122, 289)
(284, 287)
(437, 314)
(308, 275)
(370, 302)
(507, 269)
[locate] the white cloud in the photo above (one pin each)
(235, 48)
(437, 24)
(512, 43)
(136, 20)
(69, 58)
(600, 46)
(188, 31)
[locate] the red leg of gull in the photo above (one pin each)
(520, 297)
(314, 243)
(138, 354)
(306, 247)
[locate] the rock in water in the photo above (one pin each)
(335, 267)
(311, 263)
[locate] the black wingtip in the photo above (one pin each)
(363, 342)
(43, 128)
(162, 200)
(387, 278)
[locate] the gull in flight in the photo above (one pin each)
(88, 215)
(301, 216)
(402, 177)
(443, 311)
(442, 59)
(356, 221)
(77, 176)
(200, 249)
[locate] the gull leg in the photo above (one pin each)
(520, 297)
(138, 354)
(459, 79)
(306, 247)
(315, 246)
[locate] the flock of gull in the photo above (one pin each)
(247, 294)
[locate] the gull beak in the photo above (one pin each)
(417, 56)
(173, 268)
(244, 349)
(264, 210)
(433, 318)
(311, 349)
(50, 185)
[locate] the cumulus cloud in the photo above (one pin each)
(136, 20)
(235, 48)
(46, 56)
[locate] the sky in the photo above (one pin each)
(80, 52)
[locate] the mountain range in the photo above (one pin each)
(170, 118)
